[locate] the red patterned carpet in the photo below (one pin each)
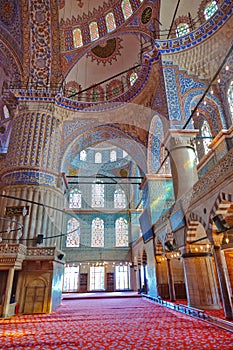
(108, 324)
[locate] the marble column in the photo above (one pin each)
(171, 286)
(32, 170)
(226, 299)
(201, 285)
(180, 145)
(8, 292)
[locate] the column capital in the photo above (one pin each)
(179, 138)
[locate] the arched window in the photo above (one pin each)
(110, 22)
(113, 156)
(206, 136)
(6, 112)
(230, 98)
(94, 31)
(97, 233)
(119, 199)
(126, 9)
(77, 38)
(75, 199)
(133, 77)
(98, 195)
(73, 233)
(210, 9)
(182, 29)
(121, 229)
(83, 155)
(98, 157)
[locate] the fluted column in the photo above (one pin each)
(31, 173)
(180, 145)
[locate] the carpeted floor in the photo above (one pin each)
(108, 324)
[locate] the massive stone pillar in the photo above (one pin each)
(180, 145)
(171, 285)
(8, 292)
(200, 281)
(31, 177)
(224, 288)
(201, 286)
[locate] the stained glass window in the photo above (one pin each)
(98, 195)
(97, 233)
(182, 29)
(113, 156)
(83, 155)
(206, 135)
(77, 38)
(72, 93)
(6, 112)
(95, 95)
(230, 98)
(210, 9)
(119, 199)
(124, 154)
(94, 31)
(75, 199)
(121, 232)
(126, 9)
(133, 77)
(110, 22)
(98, 157)
(73, 233)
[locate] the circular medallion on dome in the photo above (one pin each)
(146, 15)
(123, 172)
(106, 51)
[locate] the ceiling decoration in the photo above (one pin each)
(146, 15)
(106, 52)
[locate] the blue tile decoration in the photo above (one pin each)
(32, 177)
(172, 94)
(188, 83)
